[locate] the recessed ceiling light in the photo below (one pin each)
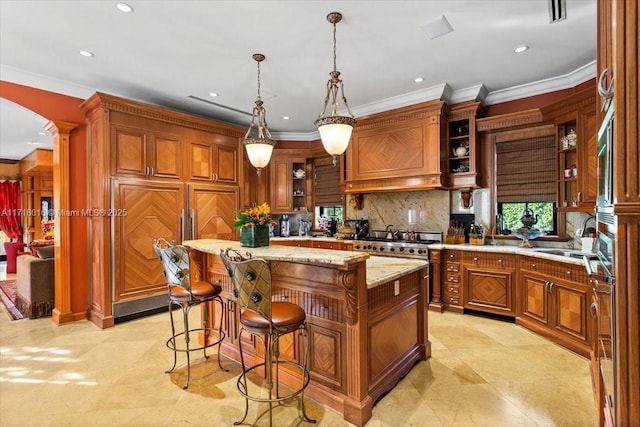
(521, 49)
(213, 94)
(41, 133)
(418, 80)
(285, 117)
(86, 53)
(123, 7)
(33, 143)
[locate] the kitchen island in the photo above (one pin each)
(366, 317)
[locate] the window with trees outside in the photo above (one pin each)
(526, 180)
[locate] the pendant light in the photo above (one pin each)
(259, 148)
(335, 130)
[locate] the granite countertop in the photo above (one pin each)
(571, 256)
(379, 269)
(385, 269)
(281, 252)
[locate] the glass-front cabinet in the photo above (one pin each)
(461, 150)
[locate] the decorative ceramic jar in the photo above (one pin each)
(254, 236)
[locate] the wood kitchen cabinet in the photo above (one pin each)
(461, 163)
(577, 160)
(139, 152)
(289, 194)
(397, 150)
(451, 287)
(293, 242)
(487, 281)
(553, 300)
(152, 173)
(214, 160)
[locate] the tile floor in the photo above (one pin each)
(483, 372)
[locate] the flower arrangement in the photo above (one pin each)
(48, 228)
(256, 216)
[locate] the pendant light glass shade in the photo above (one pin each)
(260, 147)
(335, 131)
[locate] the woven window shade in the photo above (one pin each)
(526, 170)
(327, 186)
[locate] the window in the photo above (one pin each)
(324, 213)
(526, 179)
(546, 212)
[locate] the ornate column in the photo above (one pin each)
(61, 132)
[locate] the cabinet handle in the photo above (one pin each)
(546, 286)
(450, 255)
(193, 223)
(594, 309)
(215, 177)
(182, 225)
(475, 259)
(284, 297)
(499, 261)
(229, 305)
(146, 170)
(451, 299)
(568, 272)
(153, 172)
(551, 284)
(533, 265)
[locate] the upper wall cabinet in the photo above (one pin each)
(137, 152)
(291, 183)
(576, 142)
(461, 163)
(396, 150)
(213, 159)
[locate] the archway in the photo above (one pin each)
(60, 131)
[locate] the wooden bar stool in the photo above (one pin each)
(268, 321)
(186, 294)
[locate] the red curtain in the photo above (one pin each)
(10, 212)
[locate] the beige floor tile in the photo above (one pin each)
(482, 372)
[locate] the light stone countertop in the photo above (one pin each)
(379, 269)
(385, 269)
(281, 252)
(536, 252)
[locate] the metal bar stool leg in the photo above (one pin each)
(172, 340)
(185, 316)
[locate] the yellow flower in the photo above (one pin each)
(256, 216)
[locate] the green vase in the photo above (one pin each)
(254, 237)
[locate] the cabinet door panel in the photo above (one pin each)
(167, 159)
(212, 212)
(129, 151)
(535, 299)
(200, 158)
(488, 291)
(326, 356)
(152, 211)
(281, 190)
(570, 315)
(227, 161)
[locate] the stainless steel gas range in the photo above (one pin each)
(402, 248)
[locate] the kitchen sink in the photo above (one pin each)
(566, 252)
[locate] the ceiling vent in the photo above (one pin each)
(235, 110)
(557, 10)
(436, 27)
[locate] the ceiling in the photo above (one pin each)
(175, 53)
